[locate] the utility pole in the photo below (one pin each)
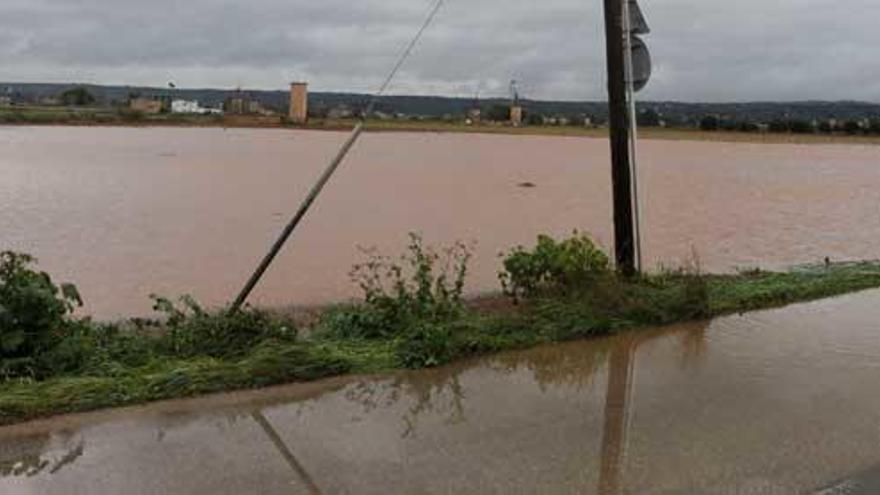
(621, 178)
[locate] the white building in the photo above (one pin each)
(187, 106)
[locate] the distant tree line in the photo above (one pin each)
(793, 126)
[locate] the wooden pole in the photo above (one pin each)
(291, 226)
(621, 178)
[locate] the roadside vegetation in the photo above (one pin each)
(413, 314)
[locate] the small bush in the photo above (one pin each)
(192, 331)
(426, 345)
(423, 286)
(553, 267)
(129, 115)
(34, 313)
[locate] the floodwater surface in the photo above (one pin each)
(774, 402)
(127, 212)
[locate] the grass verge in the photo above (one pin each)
(420, 340)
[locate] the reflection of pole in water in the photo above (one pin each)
(286, 453)
(618, 397)
(617, 403)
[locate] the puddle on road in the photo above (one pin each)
(782, 401)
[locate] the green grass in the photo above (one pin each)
(608, 308)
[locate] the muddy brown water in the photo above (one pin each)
(126, 212)
(775, 402)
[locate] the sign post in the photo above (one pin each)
(638, 72)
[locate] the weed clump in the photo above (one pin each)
(427, 345)
(553, 267)
(190, 330)
(422, 286)
(409, 301)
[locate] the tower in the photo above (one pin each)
(299, 102)
(516, 109)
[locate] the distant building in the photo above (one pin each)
(299, 102)
(237, 105)
(340, 112)
(148, 105)
(5, 101)
(255, 107)
(241, 104)
(475, 115)
(516, 115)
(191, 107)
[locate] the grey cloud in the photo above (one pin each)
(709, 50)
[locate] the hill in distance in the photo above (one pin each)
(438, 106)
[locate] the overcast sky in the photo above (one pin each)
(704, 50)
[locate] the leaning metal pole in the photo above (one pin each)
(621, 180)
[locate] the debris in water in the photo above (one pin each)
(527, 185)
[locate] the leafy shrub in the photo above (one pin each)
(423, 286)
(426, 345)
(191, 331)
(34, 313)
(553, 267)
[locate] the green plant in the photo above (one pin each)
(424, 286)
(34, 313)
(553, 267)
(190, 330)
(78, 96)
(426, 345)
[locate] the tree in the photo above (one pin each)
(728, 125)
(534, 118)
(709, 123)
(78, 97)
(852, 127)
(648, 118)
(801, 127)
(748, 127)
(499, 113)
(779, 126)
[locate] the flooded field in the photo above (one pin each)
(775, 402)
(130, 212)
